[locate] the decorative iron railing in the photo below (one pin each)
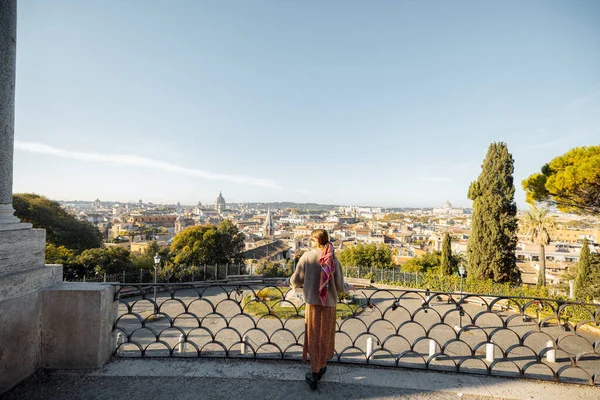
(508, 336)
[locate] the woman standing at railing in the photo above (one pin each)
(319, 273)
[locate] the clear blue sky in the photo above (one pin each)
(389, 103)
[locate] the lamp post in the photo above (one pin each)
(461, 272)
(156, 263)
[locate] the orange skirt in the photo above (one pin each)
(319, 335)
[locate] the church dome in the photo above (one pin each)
(447, 205)
(220, 203)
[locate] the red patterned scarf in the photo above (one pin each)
(327, 261)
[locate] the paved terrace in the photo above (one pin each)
(262, 379)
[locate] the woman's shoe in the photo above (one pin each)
(322, 372)
(312, 379)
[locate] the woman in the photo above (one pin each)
(319, 273)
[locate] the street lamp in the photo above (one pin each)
(461, 272)
(156, 263)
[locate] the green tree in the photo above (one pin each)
(583, 279)
(571, 182)
(493, 240)
(146, 259)
(271, 269)
(208, 244)
(446, 259)
(366, 256)
(394, 217)
(66, 257)
(58, 254)
(424, 263)
(106, 260)
(595, 276)
(62, 229)
(230, 242)
(539, 224)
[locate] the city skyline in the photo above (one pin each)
(208, 204)
(392, 106)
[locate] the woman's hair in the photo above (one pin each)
(321, 236)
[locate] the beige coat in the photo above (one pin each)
(308, 277)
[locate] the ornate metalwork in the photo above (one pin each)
(508, 336)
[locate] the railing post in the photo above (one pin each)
(369, 346)
(216, 272)
(432, 348)
(123, 276)
(489, 352)
(204, 278)
(83, 278)
(141, 275)
(105, 277)
(120, 341)
(550, 354)
(243, 346)
(393, 275)
(382, 275)
(181, 346)
(226, 271)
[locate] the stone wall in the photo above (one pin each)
(19, 338)
(45, 322)
(23, 276)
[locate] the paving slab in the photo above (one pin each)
(147, 367)
(266, 379)
(369, 376)
(416, 380)
(537, 390)
(68, 387)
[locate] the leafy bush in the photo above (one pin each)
(366, 256)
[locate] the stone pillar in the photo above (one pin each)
(8, 52)
(77, 325)
(22, 271)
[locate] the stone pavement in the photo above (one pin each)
(260, 379)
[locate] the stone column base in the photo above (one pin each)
(21, 250)
(7, 219)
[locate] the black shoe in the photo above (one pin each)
(312, 379)
(322, 372)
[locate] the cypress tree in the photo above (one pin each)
(493, 240)
(582, 281)
(446, 267)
